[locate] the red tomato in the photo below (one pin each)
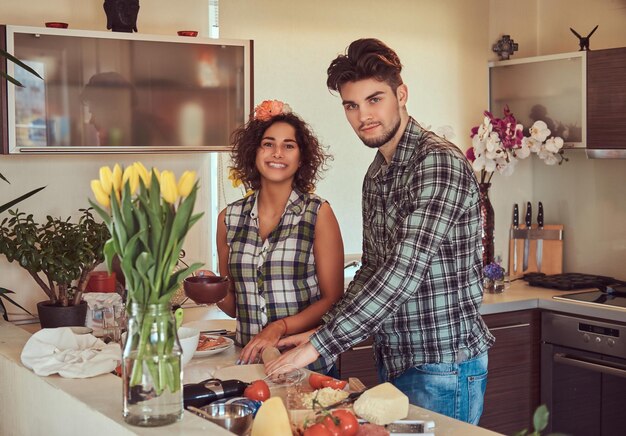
(334, 383)
(342, 422)
(317, 430)
(315, 380)
(258, 390)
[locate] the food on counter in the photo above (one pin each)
(317, 430)
(207, 342)
(382, 404)
(369, 429)
(323, 397)
(258, 391)
(319, 381)
(272, 419)
(341, 422)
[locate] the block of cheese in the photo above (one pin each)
(272, 419)
(382, 404)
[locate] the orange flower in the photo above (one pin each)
(270, 108)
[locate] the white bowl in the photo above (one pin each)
(188, 337)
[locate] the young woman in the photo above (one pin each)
(281, 245)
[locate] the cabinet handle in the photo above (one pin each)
(363, 347)
(506, 327)
(591, 364)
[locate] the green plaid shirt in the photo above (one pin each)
(275, 278)
(420, 285)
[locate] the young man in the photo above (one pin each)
(420, 285)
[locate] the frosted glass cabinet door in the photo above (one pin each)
(111, 92)
(548, 88)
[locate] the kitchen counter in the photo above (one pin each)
(53, 405)
(521, 296)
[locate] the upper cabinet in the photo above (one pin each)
(581, 96)
(606, 103)
(548, 88)
(123, 93)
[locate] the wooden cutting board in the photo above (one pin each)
(552, 261)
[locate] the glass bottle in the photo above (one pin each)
(151, 369)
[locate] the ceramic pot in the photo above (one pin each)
(51, 315)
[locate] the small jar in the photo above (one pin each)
(491, 286)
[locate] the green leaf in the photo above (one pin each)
(18, 199)
(540, 418)
(16, 61)
(103, 214)
(3, 294)
(11, 79)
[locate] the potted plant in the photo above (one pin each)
(59, 255)
(3, 291)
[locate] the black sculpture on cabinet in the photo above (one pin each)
(583, 41)
(121, 15)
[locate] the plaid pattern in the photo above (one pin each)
(275, 278)
(420, 285)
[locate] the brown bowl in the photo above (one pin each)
(56, 25)
(206, 289)
(187, 33)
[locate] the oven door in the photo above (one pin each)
(584, 392)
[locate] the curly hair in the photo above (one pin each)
(246, 141)
(365, 59)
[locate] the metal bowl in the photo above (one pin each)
(236, 418)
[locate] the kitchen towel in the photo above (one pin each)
(59, 350)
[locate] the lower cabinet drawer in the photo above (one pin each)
(359, 362)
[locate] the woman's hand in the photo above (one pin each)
(299, 357)
(292, 341)
(268, 337)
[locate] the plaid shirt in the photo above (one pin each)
(275, 278)
(420, 285)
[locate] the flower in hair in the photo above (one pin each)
(270, 108)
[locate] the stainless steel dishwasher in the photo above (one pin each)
(583, 375)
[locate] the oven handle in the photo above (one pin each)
(591, 364)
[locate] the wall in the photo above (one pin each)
(588, 196)
(67, 177)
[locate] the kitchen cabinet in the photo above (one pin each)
(606, 102)
(359, 362)
(112, 92)
(513, 384)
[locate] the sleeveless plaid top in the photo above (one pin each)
(275, 278)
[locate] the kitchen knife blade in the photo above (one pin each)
(515, 226)
(539, 241)
(527, 220)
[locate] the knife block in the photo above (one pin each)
(552, 258)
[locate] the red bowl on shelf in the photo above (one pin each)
(57, 25)
(187, 33)
(206, 289)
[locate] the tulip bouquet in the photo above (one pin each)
(148, 214)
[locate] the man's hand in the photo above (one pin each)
(268, 337)
(299, 357)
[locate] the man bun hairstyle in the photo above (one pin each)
(365, 59)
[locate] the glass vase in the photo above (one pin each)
(152, 370)
(493, 286)
(488, 221)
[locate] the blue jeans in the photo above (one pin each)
(452, 389)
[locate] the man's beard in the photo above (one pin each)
(382, 139)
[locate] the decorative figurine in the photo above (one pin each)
(121, 15)
(505, 47)
(583, 41)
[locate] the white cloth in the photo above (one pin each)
(59, 350)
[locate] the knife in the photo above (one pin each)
(528, 219)
(515, 226)
(539, 241)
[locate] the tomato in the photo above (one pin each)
(334, 383)
(315, 380)
(341, 422)
(258, 390)
(317, 430)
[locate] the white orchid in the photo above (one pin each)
(539, 131)
(553, 145)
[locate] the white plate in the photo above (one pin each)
(212, 324)
(203, 353)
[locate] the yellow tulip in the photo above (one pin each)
(143, 173)
(101, 196)
(169, 192)
(157, 174)
(131, 176)
(106, 179)
(186, 182)
(117, 177)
